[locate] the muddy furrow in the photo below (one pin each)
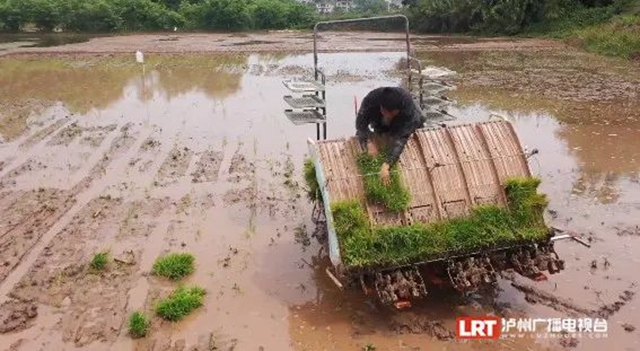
(30, 165)
(119, 145)
(44, 133)
(94, 136)
(67, 135)
(174, 166)
(40, 210)
(92, 303)
(535, 295)
(146, 155)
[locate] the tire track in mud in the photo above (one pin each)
(122, 143)
(29, 165)
(67, 135)
(79, 196)
(535, 295)
(146, 155)
(94, 136)
(44, 133)
(28, 218)
(60, 277)
(30, 148)
(93, 304)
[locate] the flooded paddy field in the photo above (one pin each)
(192, 153)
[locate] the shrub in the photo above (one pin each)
(180, 303)
(138, 325)
(174, 266)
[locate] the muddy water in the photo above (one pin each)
(193, 154)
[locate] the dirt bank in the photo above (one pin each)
(283, 42)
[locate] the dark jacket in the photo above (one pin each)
(401, 127)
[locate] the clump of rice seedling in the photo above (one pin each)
(174, 266)
(100, 261)
(138, 325)
(485, 226)
(525, 204)
(180, 303)
(313, 188)
(349, 218)
(394, 196)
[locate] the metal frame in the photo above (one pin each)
(324, 108)
(357, 20)
(410, 59)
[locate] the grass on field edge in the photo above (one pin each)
(611, 31)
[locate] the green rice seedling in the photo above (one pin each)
(138, 325)
(393, 196)
(180, 303)
(174, 265)
(100, 261)
(485, 226)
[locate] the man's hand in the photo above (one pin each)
(384, 174)
(372, 149)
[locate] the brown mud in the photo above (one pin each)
(17, 315)
(193, 154)
(284, 42)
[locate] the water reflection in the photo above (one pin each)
(97, 83)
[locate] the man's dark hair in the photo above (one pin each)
(391, 99)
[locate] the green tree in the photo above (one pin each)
(45, 14)
(269, 14)
(300, 15)
(11, 16)
(217, 14)
(446, 15)
(146, 14)
(371, 6)
(509, 16)
(90, 16)
(170, 4)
